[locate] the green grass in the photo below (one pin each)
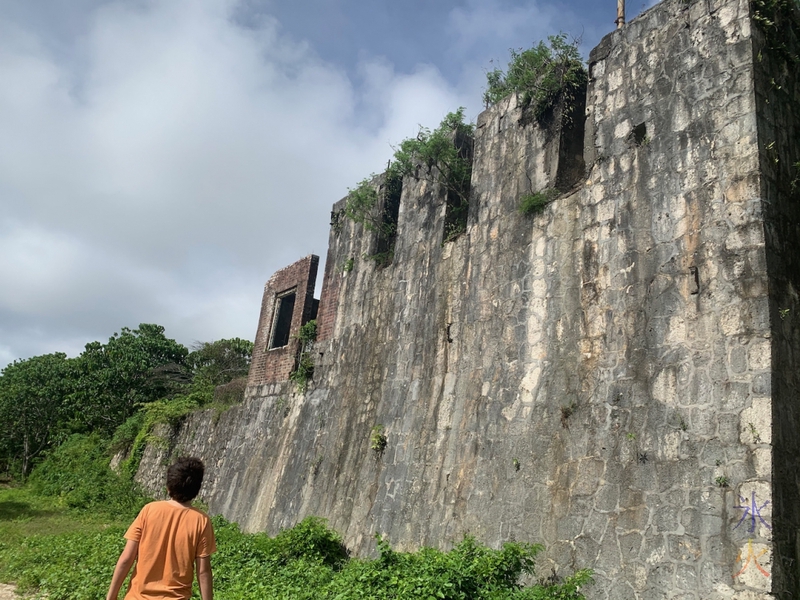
(46, 544)
(67, 554)
(24, 513)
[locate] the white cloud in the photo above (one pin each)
(480, 21)
(165, 173)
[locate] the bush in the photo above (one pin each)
(305, 562)
(532, 204)
(79, 475)
(443, 157)
(541, 75)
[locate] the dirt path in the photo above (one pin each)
(7, 592)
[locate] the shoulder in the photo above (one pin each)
(154, 507)
(200, 515)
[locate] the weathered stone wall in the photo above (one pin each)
(599, 377)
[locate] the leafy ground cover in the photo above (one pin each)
(46, 545)
(69, 554)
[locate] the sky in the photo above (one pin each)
(161, 159)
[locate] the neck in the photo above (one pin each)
(184, 504)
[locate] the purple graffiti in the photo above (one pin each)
(751, 511)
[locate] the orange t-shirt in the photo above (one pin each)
(170, 537)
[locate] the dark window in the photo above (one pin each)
(391, 191)
(458, 188)
(283, 320)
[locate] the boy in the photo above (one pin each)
(167, 540)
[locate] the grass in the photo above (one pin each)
(23, 514)
(39, 536)
(68, 554)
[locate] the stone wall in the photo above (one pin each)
(614, 377)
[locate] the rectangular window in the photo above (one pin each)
(282, 323)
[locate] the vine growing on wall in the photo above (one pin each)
(779, 20)
(541, 75)
(360, 207)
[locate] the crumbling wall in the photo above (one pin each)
(599, 377)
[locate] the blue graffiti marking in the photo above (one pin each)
(752, 511)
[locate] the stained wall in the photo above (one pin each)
(612, 377)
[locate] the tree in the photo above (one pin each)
(33, 398)
(219, 370)
(220, 362)
(135, 367)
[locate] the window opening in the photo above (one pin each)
(282, 323)
(458, 188)
(387, 232)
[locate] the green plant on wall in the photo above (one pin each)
(441, 156)
(541, 75)
(307, 334)
(361, 203)
(436, 151)
(774, 18)
(380, 258)
(347, 265)
(362, 206)
(533, 204)
(377, 439)
(304, 371)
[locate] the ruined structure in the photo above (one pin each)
(614, 378)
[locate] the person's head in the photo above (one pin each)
(184, 478)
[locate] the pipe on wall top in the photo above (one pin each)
(620, 13)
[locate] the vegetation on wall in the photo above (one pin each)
(362, 202)
(374, 204)
(378, 439)
(541, 75)
(533, 204)
(304, 369)
(442, 157)
(779, 20)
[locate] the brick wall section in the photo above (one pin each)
(269, 366)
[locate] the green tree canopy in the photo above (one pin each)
(33, 399)
(135, 367)
(219, 362)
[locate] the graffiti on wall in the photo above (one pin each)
(751, 515)
(752, 511)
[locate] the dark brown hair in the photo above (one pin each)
(184, 478)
